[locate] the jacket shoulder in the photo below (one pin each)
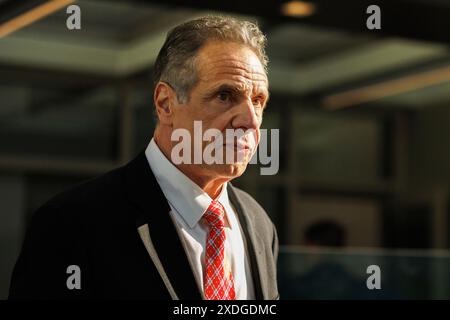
(89, 191)
(97, 199)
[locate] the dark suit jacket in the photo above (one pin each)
(117, 229)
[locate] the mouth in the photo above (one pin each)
(238, 146)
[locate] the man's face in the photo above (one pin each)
(231, 93)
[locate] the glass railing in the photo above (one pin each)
(327, 273)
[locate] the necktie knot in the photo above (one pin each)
(215, 215)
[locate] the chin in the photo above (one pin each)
(230, 170)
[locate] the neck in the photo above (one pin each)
(212, 187)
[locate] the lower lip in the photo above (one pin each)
(237, 147)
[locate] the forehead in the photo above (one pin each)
(219, 61)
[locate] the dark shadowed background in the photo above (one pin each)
(364, 120)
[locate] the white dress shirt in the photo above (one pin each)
(188, 203)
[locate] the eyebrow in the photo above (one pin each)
(235, 90)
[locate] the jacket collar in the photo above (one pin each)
(152, 209)
(254, 243)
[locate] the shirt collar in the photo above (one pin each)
(184, 195)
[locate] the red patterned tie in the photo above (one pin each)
(217, 282)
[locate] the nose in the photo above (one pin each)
(246, 117)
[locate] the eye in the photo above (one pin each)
(224, 96)
(258, 101)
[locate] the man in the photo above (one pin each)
(154, 229)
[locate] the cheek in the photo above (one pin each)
(252, 139)
(186, 114)
(220, 120)
(181, 122)
(206, 113)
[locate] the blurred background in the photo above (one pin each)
(363, 117)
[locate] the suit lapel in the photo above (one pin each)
(254, 243)
(152, 209)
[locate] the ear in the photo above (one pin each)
(164, 98)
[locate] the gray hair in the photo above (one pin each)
(176, 61)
